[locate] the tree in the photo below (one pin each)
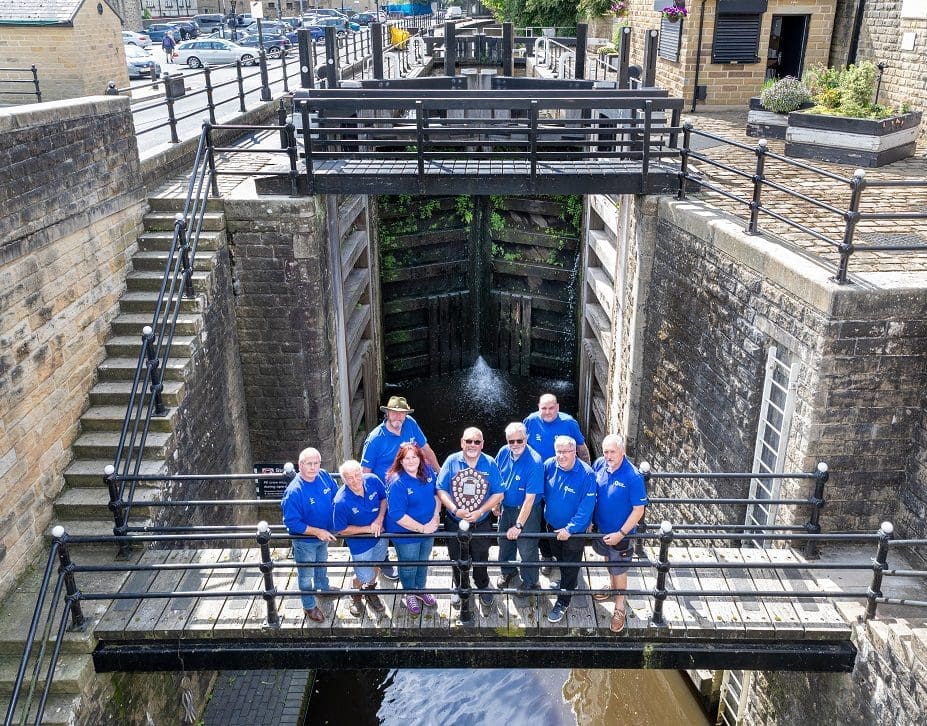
(556, 13)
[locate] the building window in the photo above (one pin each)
(737, 38)
(670, 39)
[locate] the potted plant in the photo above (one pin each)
(847, 125)
(674, 13)
(600, 16)
(620, 9)
(769, 112)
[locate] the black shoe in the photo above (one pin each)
(486, 605)
(557, 612)
(504, 580)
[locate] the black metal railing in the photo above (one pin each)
(21, 82)
(757, 182)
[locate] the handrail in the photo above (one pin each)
(33, 80)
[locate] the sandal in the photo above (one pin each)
(602, 597)
(618, 621)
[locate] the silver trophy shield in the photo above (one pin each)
(468, 488)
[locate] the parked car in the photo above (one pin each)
(454, 12)
(274, 45)
(157, 31)
(364, 19)
(188, 29)
(293, 21)
(341, 25)
(245, 19)
(272, 27)
(140, 40)
(141, 64)
(316, 33)
(325, 12)
(209, 23)
(214, 51)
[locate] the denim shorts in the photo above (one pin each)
(377, 553)
(622, 553)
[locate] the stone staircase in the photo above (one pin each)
(82, 507)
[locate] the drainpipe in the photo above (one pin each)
(857, 29)
(698, 53)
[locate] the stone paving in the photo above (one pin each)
(732, 126)
(258, 698)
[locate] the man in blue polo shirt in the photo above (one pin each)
(382, 445)
(569, 500)
(620, 500)
(359, 508)
(307, 511)
(471, 457)
(522, 474)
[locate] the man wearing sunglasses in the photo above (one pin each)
(480, 472)
(523, 481)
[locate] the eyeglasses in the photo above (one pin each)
(473, 441)
(516, 441)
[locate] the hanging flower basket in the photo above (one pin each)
(674, 13)
(620, 9)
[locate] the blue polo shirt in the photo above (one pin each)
(541, 434)
(407, 495)
(309, 504)
(521, 476)
(381, 445)
(569, 496)
(617, 493)
(359, 510)
(484, 465)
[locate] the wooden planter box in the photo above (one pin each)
(767, 124)
(856, 141)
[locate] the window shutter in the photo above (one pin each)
(737, 38)
(670, 39)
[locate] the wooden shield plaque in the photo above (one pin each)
(468, 488)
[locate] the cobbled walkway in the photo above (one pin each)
(258, 698)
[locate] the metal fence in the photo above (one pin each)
(17, 83)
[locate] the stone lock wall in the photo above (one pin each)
(718, 300)
(72, 213)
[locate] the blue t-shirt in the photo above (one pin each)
(569, 496)
(309, 504)
(617, 493)
(541, 434)
(484, 465)
(521, 476)
(382, 445)
(407, 495)
(359, 510)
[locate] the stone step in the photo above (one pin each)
(71, 672)
(110, 418)
(157, 260)
(209, 241)
(102, 445)
(145, 302)
(151, 280)
(134, 323)
(173, 203)
(89, 472)
(123, 369)
(116, 393)
(128, 346)
(59, 708)
(161, 221)
(80, 503)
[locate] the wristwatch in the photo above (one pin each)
(519, 525)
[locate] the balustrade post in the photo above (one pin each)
(463, 568)
(684, 159)
(266, 95)
(306, 59)
(307, 144)
(659, 593)
(579, 58)
(758, 178)
(420, 143)
(450, 49)
(210, 102)
(645, 471)
(624, 58)
(281, 122)
(66, 567)
(376, 51)
(283, 70)
(211, 159)
(118, 507)
(651, 46)
(154, 370)
(533, 141)
(241, 86)
(331, 57)
(817, 503)
(35, 82)
(852, 216)
(267, 569)
(294, 159)
(878, 567)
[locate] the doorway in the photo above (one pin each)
(788, 36)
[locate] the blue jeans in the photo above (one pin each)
(310, 578)
(527, 547)
(413, 577)
(377, 553)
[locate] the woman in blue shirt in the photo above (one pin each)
(412, 507)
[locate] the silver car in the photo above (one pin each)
(214, 52)
(141, 64)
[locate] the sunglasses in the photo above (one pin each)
(516, 441)
(473, 441)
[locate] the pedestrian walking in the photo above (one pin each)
(168, 44)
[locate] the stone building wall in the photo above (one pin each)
(278, 249)
(72, 213)
(72, 61)
(718, 300)
(912, 515)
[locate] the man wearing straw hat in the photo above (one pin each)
(383, 443)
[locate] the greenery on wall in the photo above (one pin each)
(550, 13)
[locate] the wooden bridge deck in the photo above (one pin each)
(242, 616)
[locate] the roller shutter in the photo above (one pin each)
(737, 38)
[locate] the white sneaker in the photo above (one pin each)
(455, 600)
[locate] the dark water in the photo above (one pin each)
(489, 399)
(481, 397)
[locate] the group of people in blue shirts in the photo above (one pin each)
(540, 481)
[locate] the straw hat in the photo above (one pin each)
(397, 403)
